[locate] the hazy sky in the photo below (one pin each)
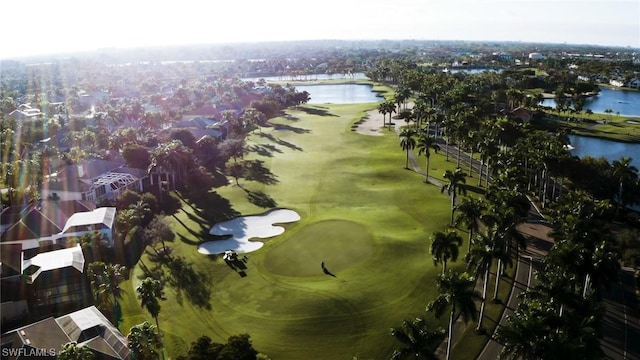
(30, 27)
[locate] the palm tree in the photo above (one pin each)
(391, 108)
(456, 179)
(425, 144)
(486, 248)
(407, 143)
(105, 280)
(444, 247)
(149, 292)
(382, 109)
(71, 351)
(456, 290)
(144, 341)
(469, 213)
(625, 173)
(418, 340)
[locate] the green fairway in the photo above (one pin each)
(361, 212)
(341, 244)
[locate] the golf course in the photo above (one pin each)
(361, 213)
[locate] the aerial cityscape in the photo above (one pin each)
(443, 181)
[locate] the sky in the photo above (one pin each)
(34, 27)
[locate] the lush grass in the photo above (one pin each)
(604, 126)
(362, 213)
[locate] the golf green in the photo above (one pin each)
(339, 243)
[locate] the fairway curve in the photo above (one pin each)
(244, 228)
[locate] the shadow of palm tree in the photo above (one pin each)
(288, 144)
(214, 208)
(194, 285)
(297, 130)
(256, 171)
(261, 199)
(264, 150)
(316, 111)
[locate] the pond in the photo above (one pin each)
(309, 77)
(340, 93)
(610, 150)
(626, 102)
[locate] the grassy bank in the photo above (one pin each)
(611, 127)
(361, 212)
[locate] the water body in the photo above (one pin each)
(626, 102)
(340, 93)
(310, 77)
(473, 71)
(610, 150)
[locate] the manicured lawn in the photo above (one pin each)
(362, 213)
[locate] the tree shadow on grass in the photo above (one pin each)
(256, 171)
(261, 199)
(265, 150)
(316, 111)
(190, 230)
(280, 141)
(214, 208)
(190, 284)
(285, 127)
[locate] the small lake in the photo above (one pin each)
(610, 150)
(340, 93)
(310, 77)
(624, 101)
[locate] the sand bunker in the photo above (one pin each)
(244, 228)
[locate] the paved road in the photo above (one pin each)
(523, 277)
(621, 323)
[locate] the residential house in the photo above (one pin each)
(519, 113)
(101, 220)
(93, 180)
(41, 283)
(202, 126)
(38, 223)
(634, 83)
(616, 82)
(25, 113)
(44, 339)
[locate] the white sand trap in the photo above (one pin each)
(244, 228)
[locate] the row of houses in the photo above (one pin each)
(42, 268)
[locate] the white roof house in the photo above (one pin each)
(100, 220)
(52, 260)
(100, 216)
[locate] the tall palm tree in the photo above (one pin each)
(144, 341)
(150, 292)
(71, 351)
(407, 143)
(444, 247)
(105, 280)
(625, 173)
(418, 340)
(425, 144)
(456, 290)
(382, 109)
(470, 211)
(485, 248)
(456, 184)
(391, 108)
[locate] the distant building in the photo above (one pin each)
(536, 56)
(25, 113)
